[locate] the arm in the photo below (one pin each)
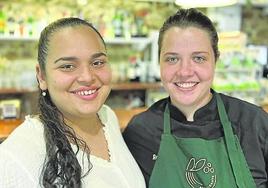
(12, 174)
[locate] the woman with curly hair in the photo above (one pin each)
(75, 141)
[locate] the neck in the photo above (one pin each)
(91, 125)
(189, 111)
(92, 133)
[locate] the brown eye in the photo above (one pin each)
(67, 67)
(98, 63)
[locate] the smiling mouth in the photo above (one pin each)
(186, 85)
(86, 92)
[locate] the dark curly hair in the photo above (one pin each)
(61, 167)
(184, 18)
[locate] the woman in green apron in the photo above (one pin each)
(197, 138)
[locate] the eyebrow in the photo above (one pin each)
(170, 53)
(96, 55)
(73, 58)
(201, 52)
(174, 53)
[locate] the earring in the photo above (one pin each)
(44, 93)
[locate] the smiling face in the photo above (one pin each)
(187, 64)
(77, 74)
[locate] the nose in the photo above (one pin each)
(86, 75)
(185, 68)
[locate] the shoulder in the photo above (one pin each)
(251, 119)
(26, 139)
(26, 142)
(109, 118)
(154, 112)
(147, 123)
(242, 109)
(106, 113)
(22, 153)
(26, 134)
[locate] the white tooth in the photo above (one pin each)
(92, 91)
(186, 85)
(83, 93)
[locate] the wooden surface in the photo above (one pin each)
(265, 107)
(7, 126)
(124, 115)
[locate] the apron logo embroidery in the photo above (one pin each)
(154, 157)
(198, 166)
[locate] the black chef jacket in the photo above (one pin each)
(250, 124)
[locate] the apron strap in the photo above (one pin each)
(230, 141)
(167, 120)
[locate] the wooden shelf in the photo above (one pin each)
(136, 86)
(16, 91)
(116, 40)
(18, 38)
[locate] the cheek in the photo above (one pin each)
(207, 73)
(105, 76)
(60, 81)
(167, 73)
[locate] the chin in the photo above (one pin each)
(184, 101)
(86, 114)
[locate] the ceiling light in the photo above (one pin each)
(204, 3)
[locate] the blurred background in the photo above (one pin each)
(130, 29)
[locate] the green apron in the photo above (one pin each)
(200, 163)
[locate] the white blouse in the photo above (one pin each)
(22, 155)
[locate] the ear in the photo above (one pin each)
(41, 77)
